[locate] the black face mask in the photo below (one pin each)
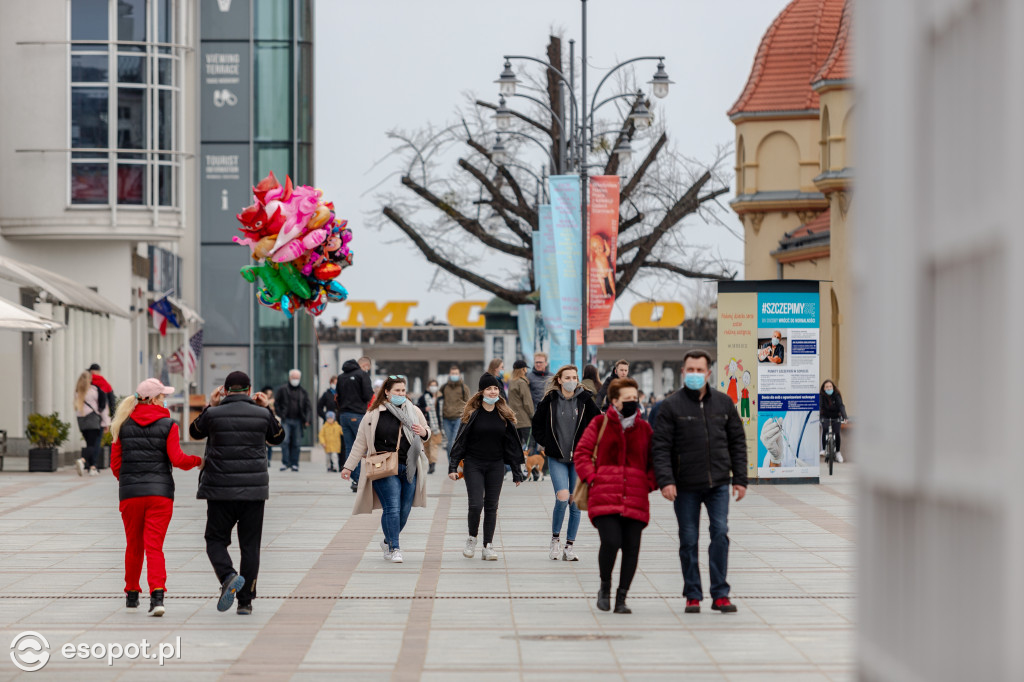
(628, 408)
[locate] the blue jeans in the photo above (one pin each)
(396, 495)
(290, 446)
(687, 508)
(451, 427)
(563, 477)
(349, 427)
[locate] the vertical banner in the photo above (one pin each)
(546, 268)
(527, 324)
(568, 233)
(602, 249)
(768, 364)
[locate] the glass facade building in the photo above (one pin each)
(270, 128)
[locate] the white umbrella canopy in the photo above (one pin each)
(16, 318)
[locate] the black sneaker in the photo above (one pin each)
(295, 467)
(131, 599)
(244, 608)
(430, 469)
(285, 468)
(228, 588)
(355, 486)
(156, 603)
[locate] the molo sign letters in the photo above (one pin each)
(469, 314)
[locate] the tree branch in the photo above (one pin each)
(525, 213)
(470, 225)
(512, 296)
(693, 274)
(634, 181)
(630, 222)
(513, 183)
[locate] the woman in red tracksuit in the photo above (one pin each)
(145, 448)
(620, 483)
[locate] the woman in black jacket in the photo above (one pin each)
(558, 423)
(487, 440)
(832, 411)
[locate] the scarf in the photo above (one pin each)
(627, 422)
(415, 442)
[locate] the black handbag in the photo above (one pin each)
(91, 421)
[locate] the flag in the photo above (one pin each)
(162, 314)
(185, 359)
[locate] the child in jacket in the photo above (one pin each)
(330, 439)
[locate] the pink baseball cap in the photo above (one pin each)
(151, 388)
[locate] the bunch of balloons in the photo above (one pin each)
(299, 245)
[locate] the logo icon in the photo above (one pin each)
(225, 5)
(224, 98)
(30, 651)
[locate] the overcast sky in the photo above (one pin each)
(405, 63)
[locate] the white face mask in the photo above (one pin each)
(569, 386)
(294, 382)
(432, 389)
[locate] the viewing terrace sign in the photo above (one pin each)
(469, 314)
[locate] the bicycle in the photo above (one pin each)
(830, 446)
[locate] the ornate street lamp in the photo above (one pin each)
(502, 115)
(498, 152)
(507, 80)
(660, 82)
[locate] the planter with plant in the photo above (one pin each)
(47, 433)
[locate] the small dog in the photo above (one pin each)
(532, 462)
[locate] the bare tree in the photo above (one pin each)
(475, 219)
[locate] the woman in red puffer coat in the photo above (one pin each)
(620, 483)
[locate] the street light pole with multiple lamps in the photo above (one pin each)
(575, 144)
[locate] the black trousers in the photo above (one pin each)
(221, 517)
(483, 484)
(835, 431)
(618, 533)
(92, 437)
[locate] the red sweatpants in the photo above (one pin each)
(145, 525)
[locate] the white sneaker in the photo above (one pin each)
(488, 553)
(568, 554)
(839, 457)
(396, 557)
(93, 472)
(80, 466)
(384, 548)
(470, 548)
(556, 549)
(821, 453)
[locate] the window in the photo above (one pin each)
(125, 87)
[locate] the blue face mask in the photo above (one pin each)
(828, 391)
(491, 401)
(775, 341)
(694, 381)
(454, 378)
(397, 400)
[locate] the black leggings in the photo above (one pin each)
(617, 532)
(835, 431)
(92, 446)
(483, 484)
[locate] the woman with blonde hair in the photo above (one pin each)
(558, 424)
(392, 424)
(145, 449)
(486, 442)
(496, 368)
(520, 400)
(92, 422)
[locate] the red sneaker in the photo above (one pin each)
(724, 605)
(693, 606)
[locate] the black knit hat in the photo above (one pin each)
(488, 380)
(519, 364)
(236, 381)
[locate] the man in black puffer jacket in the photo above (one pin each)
(235, 483)
(354, 395)
(698, 445)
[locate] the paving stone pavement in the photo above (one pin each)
(329, 607)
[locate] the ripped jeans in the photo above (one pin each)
(563, 477)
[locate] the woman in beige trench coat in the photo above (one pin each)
(391, 424)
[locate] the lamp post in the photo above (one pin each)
(575, 137)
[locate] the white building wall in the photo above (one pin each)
(936, 256)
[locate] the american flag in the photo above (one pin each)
(184, 359)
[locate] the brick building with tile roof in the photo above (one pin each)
(793, 166)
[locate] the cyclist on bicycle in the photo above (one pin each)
(832, 412)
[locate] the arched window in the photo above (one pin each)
(741, 165)
(826, 152)
(778, 163)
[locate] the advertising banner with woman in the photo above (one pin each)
(602, 245)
